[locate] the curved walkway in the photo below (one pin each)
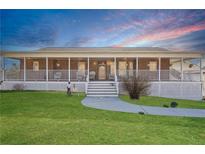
(115, 104)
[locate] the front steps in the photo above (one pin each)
(104, 89)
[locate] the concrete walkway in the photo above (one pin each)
(115, 104)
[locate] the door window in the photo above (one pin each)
(152, 66)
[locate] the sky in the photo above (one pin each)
(177, 30)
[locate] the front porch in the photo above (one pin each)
(102, 69)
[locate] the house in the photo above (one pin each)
(99, 71)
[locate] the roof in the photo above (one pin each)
(85, 49)
(105, 50)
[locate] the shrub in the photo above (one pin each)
(136, 86)
(18, 86)
(173, 104)
(142, 113)
(165, 105)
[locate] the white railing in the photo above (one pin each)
(191, 75)
(78, 75)
(149, 75)
(170, 75)
(125, 74)
(32, 75)
(57, 75)
(13, 75)
(117, 84)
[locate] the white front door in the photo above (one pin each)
(101, 72)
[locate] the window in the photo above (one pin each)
(152, 66)
(35, 66)
(122, 68)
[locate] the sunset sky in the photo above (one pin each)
(171, 29)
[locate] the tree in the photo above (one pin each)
(136, 86)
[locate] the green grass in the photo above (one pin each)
(54, 118)
(160, 101)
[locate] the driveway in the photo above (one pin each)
(115, 104)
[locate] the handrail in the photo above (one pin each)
(117, 84)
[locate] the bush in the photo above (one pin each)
(165, 105)
(173, 104)
(18, 86)
(136, 87)
(142, 113)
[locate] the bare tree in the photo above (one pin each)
(136, 86)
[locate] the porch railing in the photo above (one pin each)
(170, 75)
(78, 75)
(149, 75)
(11, 74)
(57, 75)
(39, 75)
(192, 75)
(82, 75)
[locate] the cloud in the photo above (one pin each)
(163, 34)
(78, 42)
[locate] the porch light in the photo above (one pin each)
(58, 65)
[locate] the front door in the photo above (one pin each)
(101, 72)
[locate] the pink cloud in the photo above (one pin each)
(162, 34)
(144, 24)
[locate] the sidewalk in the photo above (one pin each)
(115, 104)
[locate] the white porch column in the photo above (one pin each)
(201, 72)
(46, 68)
(137, 66)
(69, 69)
(88, 73)
(115, 63)
(159, 71)
(182, 74)
(24, 68)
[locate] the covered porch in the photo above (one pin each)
(83, 69)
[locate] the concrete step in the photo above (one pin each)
(102, 95)
(96, 91)
(99, 92)
(114, 89)
(102, 89)
(102, 84)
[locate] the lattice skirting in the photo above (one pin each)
(182, 90)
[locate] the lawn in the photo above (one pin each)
(54, 118)
(160, 101)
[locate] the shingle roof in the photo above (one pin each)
(63, 49)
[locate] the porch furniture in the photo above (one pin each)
(57, 75)
(81, 76)
(92, 75)
(111, 77)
